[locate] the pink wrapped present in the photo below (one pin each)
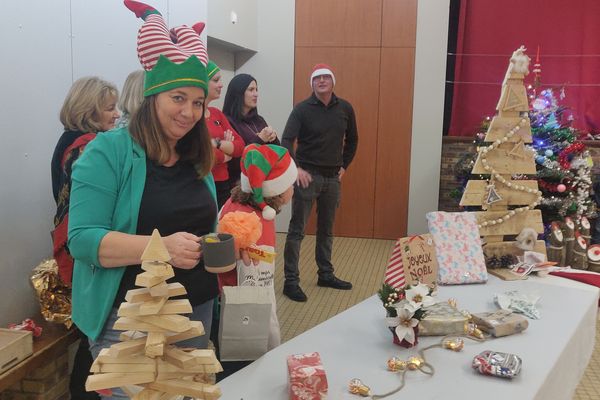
(306, 376)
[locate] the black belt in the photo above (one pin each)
(327, 172)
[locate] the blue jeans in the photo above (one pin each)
(326, 192)
(110, 336)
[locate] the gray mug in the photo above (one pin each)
(218, 251)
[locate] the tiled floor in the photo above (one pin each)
(362, 261)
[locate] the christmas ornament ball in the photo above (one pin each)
(540, 159)
(561, 188)
(549, 153)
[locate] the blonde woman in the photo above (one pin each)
(90, 107)
(132, 96)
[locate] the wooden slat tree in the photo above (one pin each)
(145, 364)
(507, 204)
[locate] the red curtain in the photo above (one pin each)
(568, 34)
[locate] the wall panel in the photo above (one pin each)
(355, 215)
(399, 23)
(393, 144)
(371, 47)
(338, 23)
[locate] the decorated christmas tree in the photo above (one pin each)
(563, 165)
(506, 199)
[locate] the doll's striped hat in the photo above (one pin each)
(172, 59)
(267, 170)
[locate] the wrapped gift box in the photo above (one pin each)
(307, 380)
(442, 319)
(15, 346)
(501, 322)
(457, 247)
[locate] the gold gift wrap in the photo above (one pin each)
(442, 319)
(53, 295)
(500, 323)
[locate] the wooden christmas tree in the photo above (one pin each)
(145, 364)
(507, 203)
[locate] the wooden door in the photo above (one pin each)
(371, 47)
(355, 214)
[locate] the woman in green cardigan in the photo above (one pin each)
(153, 174)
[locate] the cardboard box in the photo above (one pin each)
(307, 379)
(15, 346)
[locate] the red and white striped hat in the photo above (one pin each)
(171, 59)
(321, 69)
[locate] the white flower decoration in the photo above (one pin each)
(405, 325)
(418, 296)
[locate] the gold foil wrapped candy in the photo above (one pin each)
(54, 296)
(415, 362)
(454, 344)
(395, 364)
(472, 330)
(357, 387)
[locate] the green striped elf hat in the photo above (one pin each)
(267, 171)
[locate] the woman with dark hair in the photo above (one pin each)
(153, 174)
(240, 107)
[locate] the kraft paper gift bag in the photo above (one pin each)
(458, 247)
(244, 325)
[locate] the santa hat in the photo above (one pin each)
(172, 59)
(267, 171)
(321, 69)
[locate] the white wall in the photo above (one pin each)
(273, 68)
(52, 43)
(243, 32)
(428, 111)
(46, 45)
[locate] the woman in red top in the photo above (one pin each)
(227, 144)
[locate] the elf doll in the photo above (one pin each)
(266, 184)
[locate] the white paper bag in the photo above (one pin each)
(244, 325)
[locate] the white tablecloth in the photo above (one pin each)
(356, 344)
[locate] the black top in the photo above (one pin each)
(326, 135)
(58, 178)
(248, 128)
(175, 200)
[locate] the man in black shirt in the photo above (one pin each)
(324, 129)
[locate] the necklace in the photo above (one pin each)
(253, 128)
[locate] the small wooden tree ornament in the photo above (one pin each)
(580, 258)
(584, 228)
(568, 228)
(556, 247)
(593, 254)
